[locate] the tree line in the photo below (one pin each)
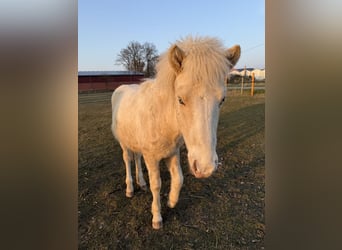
(139, 58)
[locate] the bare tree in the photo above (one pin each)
(150, 58)
(139, 58)
(131, 57)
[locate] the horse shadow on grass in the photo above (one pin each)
(237, 126)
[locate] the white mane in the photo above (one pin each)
(205, 61)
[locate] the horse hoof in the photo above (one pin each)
(144, 188)
(129, 194)
(157, 225)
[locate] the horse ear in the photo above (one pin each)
(176, 56)
(233, 54)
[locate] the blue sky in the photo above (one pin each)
(105, 27)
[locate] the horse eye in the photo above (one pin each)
(222, 101)
(180, 100)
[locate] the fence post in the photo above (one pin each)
(252, 87)
(243, 77)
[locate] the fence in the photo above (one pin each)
(252, 86)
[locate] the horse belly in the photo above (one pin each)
(136, 142)
(146, 141)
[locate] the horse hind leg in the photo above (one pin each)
(127, 156)
(138, 172)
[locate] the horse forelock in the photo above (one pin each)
(205, 62)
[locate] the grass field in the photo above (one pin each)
(225, 211)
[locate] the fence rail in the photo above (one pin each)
(246, 86)
(94, 97)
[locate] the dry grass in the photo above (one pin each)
(225, 211)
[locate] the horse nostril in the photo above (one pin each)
(195, 166)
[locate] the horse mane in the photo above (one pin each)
(205, 61)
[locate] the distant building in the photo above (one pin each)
(236, 75)
(259, 74)
(97, 81)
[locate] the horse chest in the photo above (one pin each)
(162, 146)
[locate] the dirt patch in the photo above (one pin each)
(225, 211)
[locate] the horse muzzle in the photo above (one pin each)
(203, 172)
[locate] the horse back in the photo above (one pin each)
(127, 112)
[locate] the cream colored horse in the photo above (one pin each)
(155, 118)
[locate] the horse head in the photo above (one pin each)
(200, 70)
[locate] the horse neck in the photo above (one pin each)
(166, 98)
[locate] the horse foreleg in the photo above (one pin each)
(127, 157)
(176, 179)
(138, 172)
(155, 185)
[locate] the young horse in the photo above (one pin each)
(155, 118)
